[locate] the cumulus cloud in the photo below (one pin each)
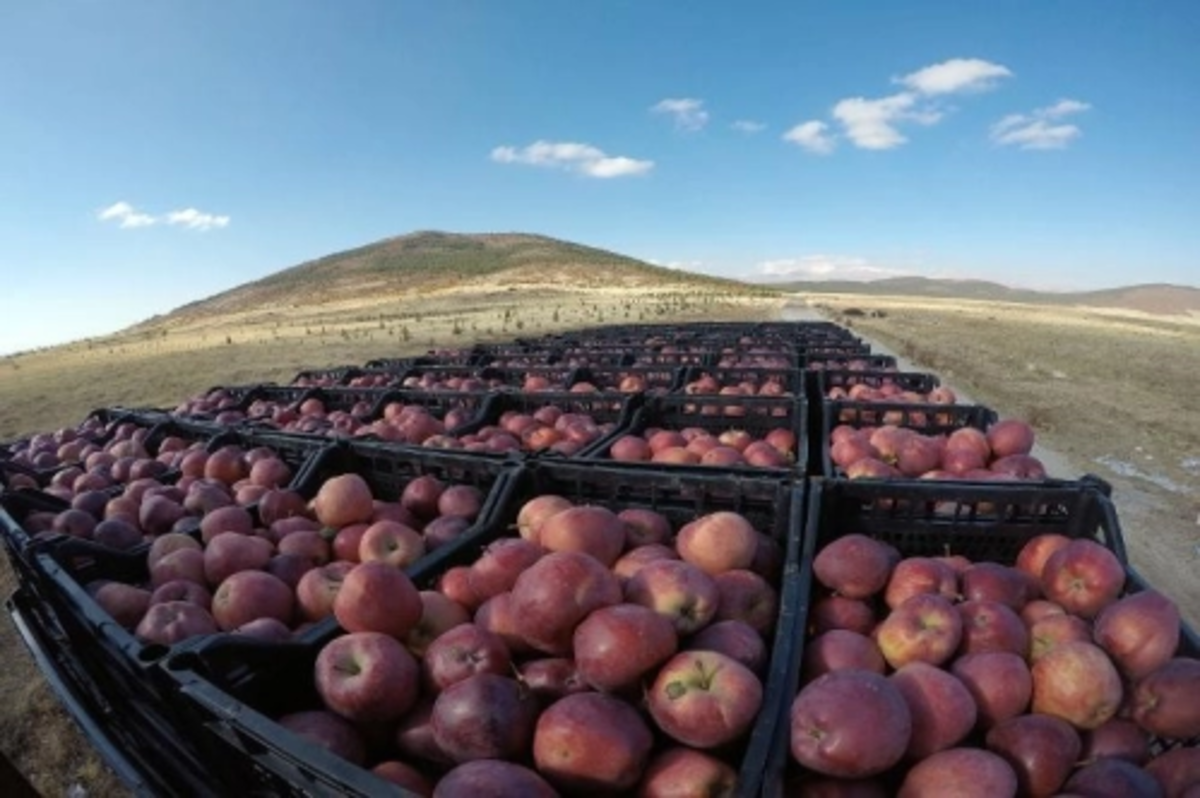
(196, 220)
(1041, 129)
(125, 215)
(811, 136)
(955, 76)
(688, 113)
(748, 126)
(128, 217)
(573, 157)
(824, 267)
(873, 124)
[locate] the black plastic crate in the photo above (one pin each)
(231, 687)
(607, 379)
(316, 378)
(935, 519)
(715, 414)
(16, 506)
(826, 379)
(148, 763)
(818, 359)
(927, 419)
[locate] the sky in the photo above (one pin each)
(154, 152)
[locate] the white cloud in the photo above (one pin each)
(812, 136)
(197, 220)
(824, 267)
(574, 157)
(1040, 129)
(126, 216)
(689, 114)
(956, 76)
(748, 126)
(871, 124)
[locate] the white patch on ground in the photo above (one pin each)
(1124, 469)
(1190, 465)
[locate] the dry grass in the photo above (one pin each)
(1113, 391)
(46, 390)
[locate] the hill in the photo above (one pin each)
(430, 261)
(1158, 299)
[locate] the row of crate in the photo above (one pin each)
(197, 717)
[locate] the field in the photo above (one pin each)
(1112, 392)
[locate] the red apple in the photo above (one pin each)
(1000, 683)
(679, 772)
(839, 612)
(960, 771)
(552, 596)
(592, 530)
(942, 709)
(854, 566)
(1083, 577)
(462, 652)
(644, 527)
(439, 615)
(329, 731)
(1041, 749)
(992, 626)
(683, 593)
(483, 777)
(484, 716)
(318, 587)
(536, 511)
(592, 742)
(1164, 701)
(366, 677)
(1078, 683)
(841, 649)
(704, 699)
(747, 597)
(1140, 632)
(717, 542)
(925, 628)
(391, 543)
(249, 595)
(917, 575)
(616, 646)
(735, 640)
(375, 597)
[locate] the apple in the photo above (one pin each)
(391, 543)
(1164, 701)
(462, 652)
(1118, 737)
(230, 552)
(1031, 559)
(126, 604)
(343, 500)
(683, 593)
(917, 575)
(375, 597)
(455, 583)
(854, 566)
(172, 621)
(439, 615)
(230, 518)
(1010, 436)
(484, 716)
(182, 590)
(827, 739)
(616, 646)
(318, 587)
(329, 731)
(346, 542)
(679, 772)
(167, 544)
(182, 563)
(1140, 632)
(704, 699)
(552, 596)
(1038, 610)
(248, 595)
(926, 628)
(1000, 683)
(839, 612)
(991, 581)
(992, 626)
(960, 771)
(1084, 577)
(644, 527)
(1041, 749)
(841, 649)
(588, 529)
(1177, 771)
(735, 640)
(536, 511)
(942, 709)
(404, 776)
(591, 742)
(1053, 631)
(483, 777)
(1113, 777)
(1077, 682)
(367, 677)
(718, 542)
(633, 560)
(497, 569)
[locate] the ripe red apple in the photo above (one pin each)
(1041, 749)
(172, 621)
(347, 541)
(497, 569)
(366, 677)
(552, 596)
(484, 716)
(126, 604)
(536, 511)
(420, 496)
(841, 649)
(924, 628)
(1033, 555)
(616, 646)
(483, 777)
(589, 529)
(182, 563)
(1164, 701)
(917, 575)
(839, 612)
(1177, 771)
(717, 542)
(992, 626)
(318, 587)
(1113, 777)
(456, 584)
(679, 772)
(704, 699)
(182, 590)
(960, 771)
(375, 597)
(329, 731)
(683, 593)
(404, 776)
(391, 543)
(634, 560)
(1140, 632)
(854, 566)
(343, 500)
(1010, 436)
(591, 742)
(827, 739)
(1078, 683)
(735, 640)
(989, 581)
(1053, 631)
(630, 448)
(230, 552)
(942, 710)
(644, 527)
(1118, 737)
(1000, 683)
(249, 595)
(1083, 577)
(461, 652)
(745, 596)
(1039, 609)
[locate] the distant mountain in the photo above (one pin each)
(1152, 298)
(430, 261)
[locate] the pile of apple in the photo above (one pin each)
(269, 572)
(597, 647)
(891, 452)
(939, 676)
(67, 445)
(443, 381)
(148, 506)
(888, 391)
(374, 379)
(756, 357)
(217, 403)
(819, 363)
(549, 428)
(698, 446)
(771, 385)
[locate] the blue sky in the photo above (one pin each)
(152, 153)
